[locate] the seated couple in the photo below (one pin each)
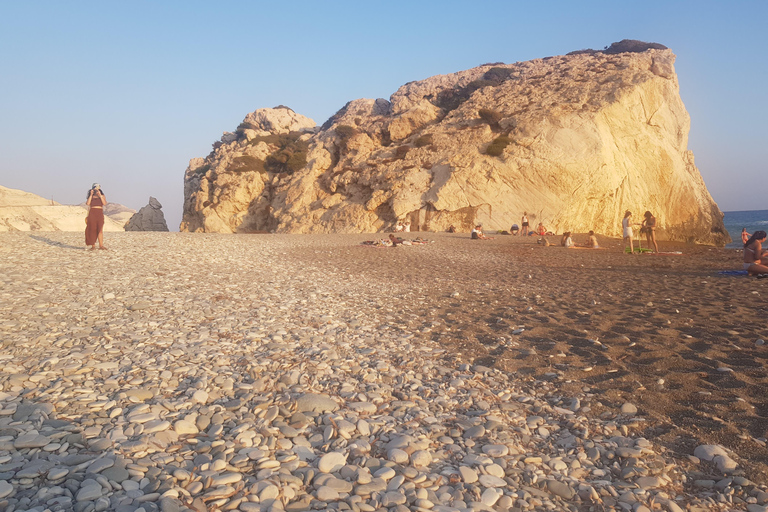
(591, 242)
(477, 233)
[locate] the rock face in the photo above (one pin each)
(573, 140)
(148, 218)
(23, 211)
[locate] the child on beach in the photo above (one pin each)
(567, 241)
(744, 235)
(626, 226)
(755, 257)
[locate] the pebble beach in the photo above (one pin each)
(203, 372)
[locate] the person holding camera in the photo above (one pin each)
(94, 223)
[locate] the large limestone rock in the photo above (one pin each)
(23, 211)
(148, 218)
(573, 140)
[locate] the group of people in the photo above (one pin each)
(404, 227)
(648, 226)
(567, 241)
(526, 231)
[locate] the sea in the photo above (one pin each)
(753, 220)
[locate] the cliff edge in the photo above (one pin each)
(573, 140)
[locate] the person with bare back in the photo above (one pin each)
(755, 257)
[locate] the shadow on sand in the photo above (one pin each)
(55, 243)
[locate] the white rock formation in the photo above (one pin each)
(579, 139)
(23, 211)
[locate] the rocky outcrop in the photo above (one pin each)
(23, 211)
(148, 218)
(574, 140)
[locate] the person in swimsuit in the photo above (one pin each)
(755, 257)
(524, 231)
(94, 224)
(592, 241)
(744, 235)
(649, 225)
(541, 229)
(626, 225)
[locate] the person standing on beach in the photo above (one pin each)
(649, 225)
(524, 231)
(755, 257)
(94, 223)
(626, 225)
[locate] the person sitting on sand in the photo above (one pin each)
(396, 240)
(399, 227)
(592, 241)
(477, 233)
(744, 235)
(543, 241)
(567, 241)
(755, 257)
(541, 230)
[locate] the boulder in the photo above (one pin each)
(573, 140)
(148, 218)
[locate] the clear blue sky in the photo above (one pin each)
(125, 93)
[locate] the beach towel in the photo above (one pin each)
(733, 273)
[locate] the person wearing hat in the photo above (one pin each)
(94, 223)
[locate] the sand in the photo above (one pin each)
(660, 331)
(667, 333)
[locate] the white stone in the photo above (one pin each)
(468, 474)
(200, 396)
(331, 462)
(184, 427)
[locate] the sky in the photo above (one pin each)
(126, 93)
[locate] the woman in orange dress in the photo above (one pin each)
(94, 224)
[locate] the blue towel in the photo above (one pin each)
(733, 273)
